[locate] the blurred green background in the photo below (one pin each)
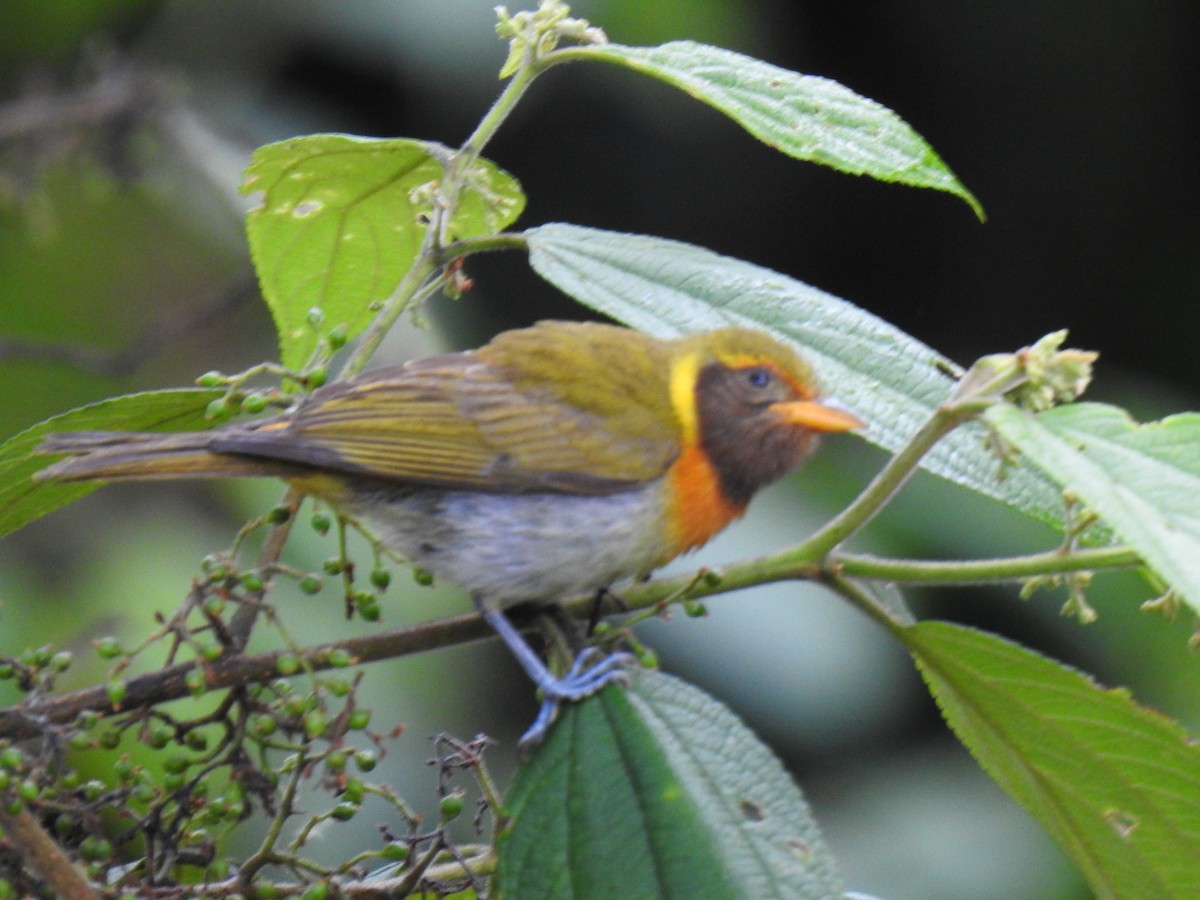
(123, 130)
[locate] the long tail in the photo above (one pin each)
(131, 456)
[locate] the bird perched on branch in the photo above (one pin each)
(554, 461)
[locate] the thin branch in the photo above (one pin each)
(156, 339)
(118, 91)
(795, 564)
(975, 571)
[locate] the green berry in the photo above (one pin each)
(211, 379)
(450, 807)
(343, 812)
(107, 648)
(340, 658)
(358, 720)
(87, 719)
(95, 848)
(395, 852)
(217, 411)
(321, 523)
(365, 760)
(295, 707)
(159, 735)
(311, 584)
(315, 724)
(381, 578)
(11, 759)
(176, 762)
(254, 403)
(287, 664)
(355, 790)
(316, 316)
(368, 606)
(338, 336)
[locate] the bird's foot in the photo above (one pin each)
(591, 671)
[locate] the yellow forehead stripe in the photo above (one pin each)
(684, 373)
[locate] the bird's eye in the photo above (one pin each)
(758, 377)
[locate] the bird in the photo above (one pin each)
(554, 461)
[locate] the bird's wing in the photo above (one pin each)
(462, 421)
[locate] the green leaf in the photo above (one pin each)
(1117, 785)
(1143, 480)
(658, 792)
(891, 380)
(804, 116)
(342, 220)
(22, 499)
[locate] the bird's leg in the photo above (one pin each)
(590, 672)
(603, 594)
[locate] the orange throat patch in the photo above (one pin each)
(697, 507)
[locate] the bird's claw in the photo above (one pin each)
(591, 671)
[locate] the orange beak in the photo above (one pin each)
(817, 416)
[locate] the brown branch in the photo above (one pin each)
(118, 91)
(169, 683)
(45, 857)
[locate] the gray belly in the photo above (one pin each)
(508, 548)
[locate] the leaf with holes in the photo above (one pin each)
(1117, 785)
(342, 220)
(658, 791)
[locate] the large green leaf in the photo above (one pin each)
(342, 220)
(22, 499)
(1117, 785)
(658, 792)
(893, 381)
(1143, 480)
(804, 116)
